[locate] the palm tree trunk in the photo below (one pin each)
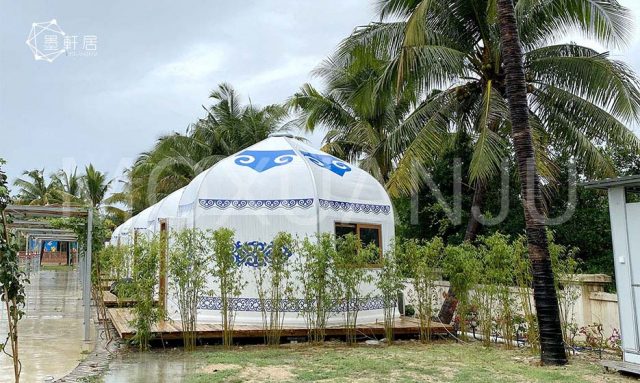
(473, 225)
(546, 301)
(450, 303)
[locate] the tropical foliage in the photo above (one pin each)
(12, 280)
(90, 188)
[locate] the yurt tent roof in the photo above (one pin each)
(125, 228)
(115, 234)
(282, 172)
(167, 207)
(141, 221)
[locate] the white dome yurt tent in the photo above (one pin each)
(115, 236)
(166, 209)
(148, 220)
(282, 185)
(124, 233)
(140, 224)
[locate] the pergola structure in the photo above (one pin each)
(25, 224)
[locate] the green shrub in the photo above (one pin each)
(350, 274)
(188, 271)
(145, 280)
(273, 280)
(228, 276)
(314, 268)
(389, 282)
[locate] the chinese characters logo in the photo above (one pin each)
(47, 41)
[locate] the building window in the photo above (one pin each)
(367, 233)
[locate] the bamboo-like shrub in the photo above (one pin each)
(564, 266)
(273, 280)
(351, 261)
(188, 270)
(314, 268)
(227, 273)
(523, 280)
(390, 281)
(462, 267)
(145, 280)
(425, 260)
(496, 307)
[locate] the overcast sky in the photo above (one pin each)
(155, 63)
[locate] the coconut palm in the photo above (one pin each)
(95, 185)
(35, 190)
(578, 99)
(567, 115)
(70, 183)
(544, 293)
(359, 116)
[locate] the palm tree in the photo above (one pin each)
(70, 184)
(95, 185)
(35, 190)
(360, 116)
(544, 293)
(175, 159)
(579, 99)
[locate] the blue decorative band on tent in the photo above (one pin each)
(328, 162)
(287, 305)
(262, 160)
(255, 253)
(271, 204)
(355, 207)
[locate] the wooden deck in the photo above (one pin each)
(621, 366)
(111, 300)
(120, 317)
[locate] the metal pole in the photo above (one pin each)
(86, 287)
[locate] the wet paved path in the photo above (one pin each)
(51, 333)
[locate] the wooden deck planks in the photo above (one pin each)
(121, 317)
(621, 366)
(111, 300)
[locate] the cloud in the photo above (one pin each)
(292, 67)
(197, 64)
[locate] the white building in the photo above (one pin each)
(625, 226)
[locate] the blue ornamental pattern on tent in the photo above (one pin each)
(328, 162)
(262, 160)
(254, 204)
(255, 253)
(355, 207)
(288, 305)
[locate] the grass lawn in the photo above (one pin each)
(405, 362)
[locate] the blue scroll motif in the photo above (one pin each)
(262, 160)
(328, 162)
(288, 305)
(255, 253)
(255, 204)
(355, 207)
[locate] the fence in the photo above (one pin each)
(592, 303)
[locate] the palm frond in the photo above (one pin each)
(608, 83)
